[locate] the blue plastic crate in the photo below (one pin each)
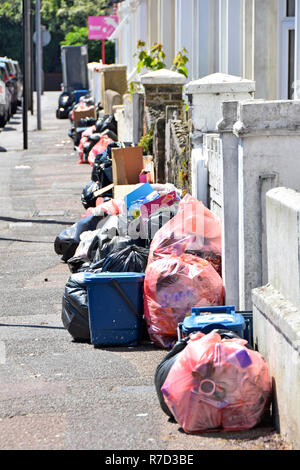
(206, 319)
(248, 332)
(78, 93)
(115, 303)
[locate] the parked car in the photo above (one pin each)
(11, 80)
(5, 98)
(19, 77)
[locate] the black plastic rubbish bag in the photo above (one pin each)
(131, 259)
(163, 370)
(107, 230)
(89, 194)
(75, 314)
(117, 243)
(169, 360)
(100, 121)
(78, 264)
(86, 122)
(94, 138)
(112, 135)
(156, 220)
(95, 249)
(91, 142)
(108, 123)
(102, 168)
(103, 246)
(68, 240)
(102, 173)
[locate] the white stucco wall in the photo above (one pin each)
(276, 314)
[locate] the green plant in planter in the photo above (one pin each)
(146, 142)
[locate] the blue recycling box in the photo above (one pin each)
(115, 302)
(206, 319)
(78, 93)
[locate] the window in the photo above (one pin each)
(290, 8)
(291, 63)
(287, 10)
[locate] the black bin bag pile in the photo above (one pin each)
(68, 240)
(100, 243)
(106, 239)
(106, 249)
(101, 175)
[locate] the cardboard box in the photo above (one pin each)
(139, 192)
(127, 164)
(163, 201)
(132, 192)
(90, 112)
(120, 191)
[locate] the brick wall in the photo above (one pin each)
(159, 150)
(160, 96)
(178, 155)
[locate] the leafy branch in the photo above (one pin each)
(179, 62)
(151, 59)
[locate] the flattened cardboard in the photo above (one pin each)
(101, 191)
(127, 164)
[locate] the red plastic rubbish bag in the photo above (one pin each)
(99, 147)
(217, 384)
(173, 285)
(110, 207)
(84, 139)
(194, 229)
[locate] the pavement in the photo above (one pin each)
(56, 394)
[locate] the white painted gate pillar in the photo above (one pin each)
(230, 203)
(269, 141)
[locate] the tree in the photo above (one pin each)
(59, 17)
(11, 29)
(80, 36)
(63, 15)
(11, 10)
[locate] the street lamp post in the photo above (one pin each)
(26, 71)
(38, 49)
